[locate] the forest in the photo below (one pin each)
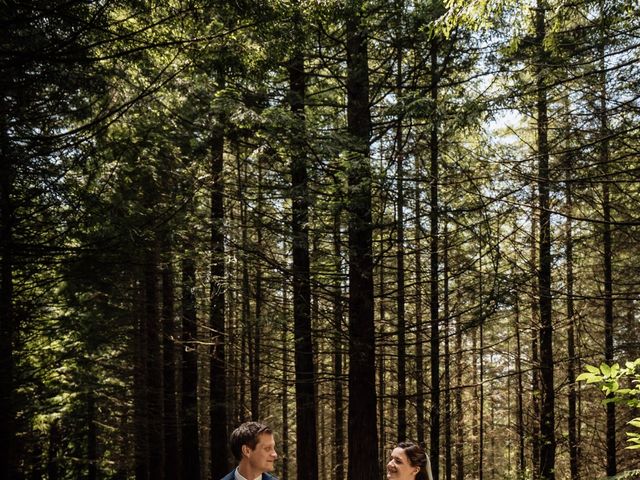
(358, 221)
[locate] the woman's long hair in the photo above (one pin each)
(418, 458)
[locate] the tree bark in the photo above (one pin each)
(285, 382)
(547, 410)
(155, 400)
(190, 443)
(458, 403)
(381, 356)
(306, 414)
(220, 461)
(140, 386)
(535, 351)
(420, 421)
(447, 361)
(8, 325)
(520, 427)
(246, 328)
(172, 459)
(571, 321)
(604, 160)
(53, 467)
(338, 368)
(247, 337)
(400, 281)
(256, 323)
(92, 437)
(476, 401)
(362, 432)
(481, 396)
(434, 303)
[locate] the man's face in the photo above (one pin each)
(263, 457)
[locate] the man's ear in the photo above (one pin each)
(246, 450)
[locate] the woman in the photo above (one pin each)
(409, 462)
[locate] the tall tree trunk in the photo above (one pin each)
(547, 410)
(172, 458)
(535, 350)
(381, 357)
(400, 296)
(492, 439)
(255, 349)
(481, 316)
(362, 433)
(190, 443)
(481, 398)
(319, 392)
(604, 160)
(447, 360)
(53, 467)
(420, 421)
(520, 427)
(92, 437)
(247, 337)
(8, 322)
(285, 381)
(245, 370)
(256, 340)
(306, 414)
(140, 388)
(476, 400)
(608, 326)
(434, 303)
(246, 350)
(458, 402)
(217, 291)
(338, 368)
(155, 400)
(235, 339)
(571, 350)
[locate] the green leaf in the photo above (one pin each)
(605, 369)
(584, 376)
(593, 369)
(615, 369)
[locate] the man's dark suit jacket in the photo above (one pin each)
(230, 476)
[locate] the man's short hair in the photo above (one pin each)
(246, 434)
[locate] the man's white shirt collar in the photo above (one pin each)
(240, 477)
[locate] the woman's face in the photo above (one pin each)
(399, 467)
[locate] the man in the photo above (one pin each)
(254, 448)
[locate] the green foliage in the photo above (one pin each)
(477, 14)
(114, 108)
(610, 379)
(628, 475)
